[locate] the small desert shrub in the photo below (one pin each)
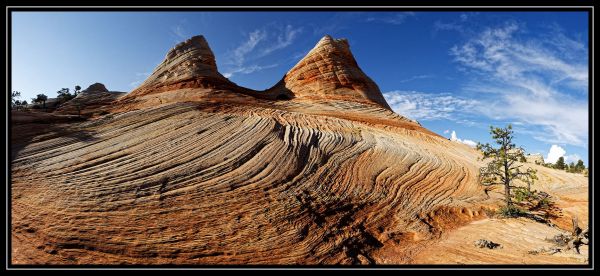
(545, 202)
(532, 199)
(487, 244)
(511, 212)
(560, 239)
(522, 194)
(490, 213)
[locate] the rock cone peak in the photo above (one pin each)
(190, 64)
(96, 87)
(329, 70)
(196, 43)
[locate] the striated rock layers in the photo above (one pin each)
(329, 71)
(191, 169)
(229, 184)
(189, 64)
(94, 100)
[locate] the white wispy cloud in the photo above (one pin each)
(283, 40)
(259, 44)
(417, 77)
(179, 32)
(528, 79)
(465, 16)
(572, 158)
(429, 106)
(447, 26)
(467, 142)
(239, 54)
(248, 70)
(497, 51)
(335, 23)
(139, 78)
(567, 46)
(135, 84)
(462, 24)
(396, 18)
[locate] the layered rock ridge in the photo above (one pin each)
(190, 64)
(94, 100)
(198, 175)
(328, 72)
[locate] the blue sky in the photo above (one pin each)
(454, 72)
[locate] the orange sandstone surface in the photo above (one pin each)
(190, 168)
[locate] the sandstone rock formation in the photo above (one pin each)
(227, 183)
(535, 158)
(94, 100)
(50, 105)
(190, 168)
(329, 71)
(189, 64)
(95, 87)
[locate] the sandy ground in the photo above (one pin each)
(516, 236)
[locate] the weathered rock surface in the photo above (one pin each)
(224, 183)
(50, 105)
(96, 87)
(94, 100)
(189, 64)
(188, 173)
(523, 242)
(329, 71)
(535, 158)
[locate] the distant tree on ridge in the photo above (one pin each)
(13, 97)
(40, 98)
(560, 163)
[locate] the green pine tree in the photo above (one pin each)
(503, 168)
(560, 163)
